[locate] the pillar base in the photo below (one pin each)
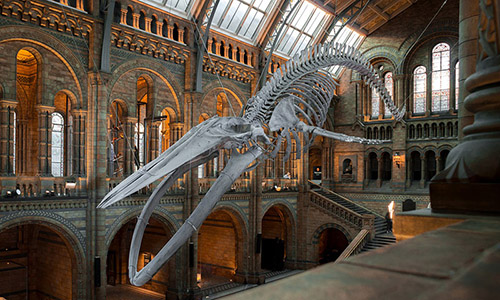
(465, 197)
(257, 278)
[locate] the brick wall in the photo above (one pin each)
(217, 245)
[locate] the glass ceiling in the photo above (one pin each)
(303, 28)
(242, 17)
(346, 36)
(246, 18)
(181, 6)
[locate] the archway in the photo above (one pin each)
(276, 237)
(220, 243)
(416, 166)
(37, 262)
(156, 235)
(332, 242)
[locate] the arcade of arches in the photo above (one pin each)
(87, 98)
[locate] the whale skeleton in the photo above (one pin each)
(295, 100)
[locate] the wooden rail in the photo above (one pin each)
(337, 210)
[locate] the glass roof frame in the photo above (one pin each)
(240, 12)
(180, 7)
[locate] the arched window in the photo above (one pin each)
(130, 17)
(389, 85)
(440, 77)
(142, 21)
(139, 144)
(57, 145)
(153, 24)
(375, 103)
(457, 84)
(419, 89)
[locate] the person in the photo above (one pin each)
(287, 175)
(348, 170)
(388, 221)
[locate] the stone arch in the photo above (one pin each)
(213, 89)
(159, 213)
(290, 229)
(319, 230)
(155, 68)
(48, 42)
(236, 214)
(74, 240)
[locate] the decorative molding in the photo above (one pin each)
(228, 68)
(11, 206)
(48, 15)
(145, 44)
(66, 225)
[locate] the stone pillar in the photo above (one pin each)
(7, 137)
(159, 28)
(399, 90)
(438, 164)
(379, 171)
(409, 166)
(135, 20)
(79, 5)
(467, 55)
(148, 24)
(367, 171)
(209, 46)
(44, 140)
(471, 180)
(181, 36)
(226, 51)
(123, 16)
(423, 171)
(170, 32)
(217, 48)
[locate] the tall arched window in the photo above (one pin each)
(57, 145)
(457, 84)
(139, 144)
(375, 103)
(440, 77)
(419, 89)
(389, 85)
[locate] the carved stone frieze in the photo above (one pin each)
(47, 15)
(148, 45)
(227, 68)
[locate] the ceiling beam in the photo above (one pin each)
(394, 14)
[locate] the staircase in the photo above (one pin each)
(382, 237)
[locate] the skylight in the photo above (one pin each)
(303, 28)
(181, 6)
(242, 17)
(346, 36)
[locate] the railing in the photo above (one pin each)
(355, 246)
(241, 185)
(346, 199)
(359, 221)
(279, 184)
(38, 186)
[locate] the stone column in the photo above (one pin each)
(217, 48)
(135, 20)
(44, 140)
(148, 24)
(379, 171)
(467, 55)
(123, 16)
(209, 46)
(181, 35)
(423, 171)
(367, 171)
(471, 180)
(7, 137)
(170, 32)
(409, 166)
(159, 28)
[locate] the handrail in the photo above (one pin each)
(341, 211)
(344, 198)
(355, 246)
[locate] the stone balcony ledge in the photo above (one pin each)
(460, 261)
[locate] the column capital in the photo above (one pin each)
(44, 108)
(8, 103)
